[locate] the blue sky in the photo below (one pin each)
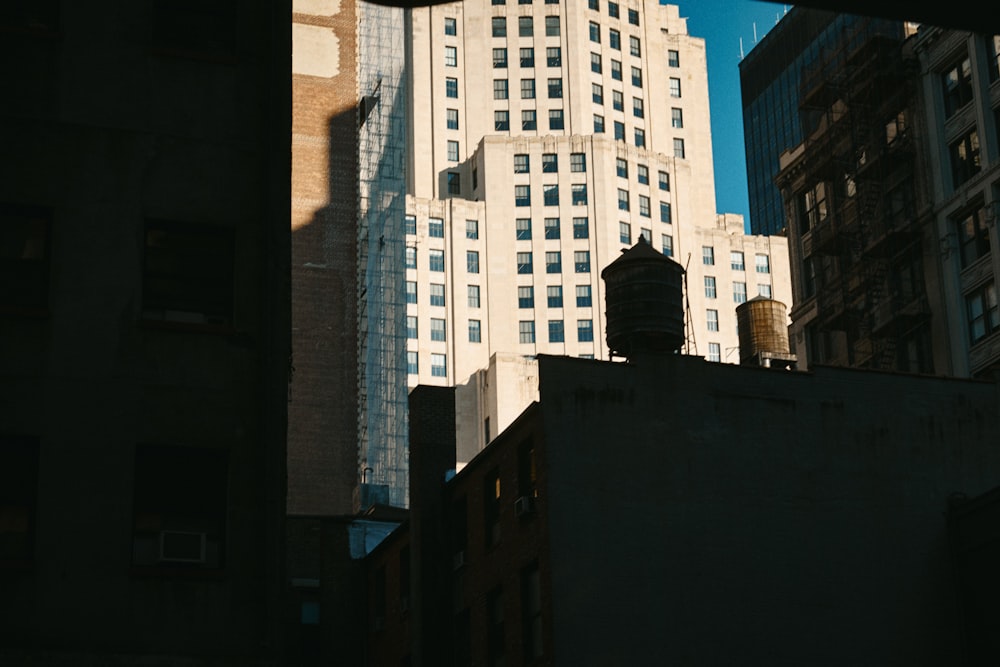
(722, 23)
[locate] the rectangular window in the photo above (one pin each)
(617, 100)
(500, 58)
(676, 117)
(556, 121)
(581, 261)
(529, 120)
(594, 4)
(524, 263)
(616, 69)
(579, 191)
(625, 233)
(598, 124)
(973, 235)
(637, 77)
(495, 634)
(18, 499)
(472, 229)
(437, 329)
(411, 291)
(764, 290)
(708, 255)
(501, 121)
(527, 89)
(553, 262)
(646, 234)
(526, 331)
(550, 195)
(578, 162)
(642, 174)
(451, 87)
(664, 181)
(450, 56)
(452, 151)
(673, 58)
(552, 229)
(450, 27)
(597, 93)
(644, 206)
(555, 88)
(634, 46)
(550, 163)
(640, 138)
(522, 227)
(956, 84)
(585, 331)
(499, 26)
(595, 32)
(527, 56)
(553, 56)
(557, 333)
(522, 163)
(619, 131)
(473, 296)
(475, 331)
(554, 296)
(714, 352)
(411, 224)
(614, 39)
(583, 298)
(623, 200)
(710, 287)
(500, 91)
(525, 26)
(552, 26)
(412, 363)
(436, 260)
(25, 259)
(736, 260)
(613, 10)
(522, 195)
(739, 292)
(439, 365)
(675, 87)
(984, 318)
(712, 318)
(526, 296)
(965, 160)
(595, 63)
(454, 183)
(763, 263)
(581, 228)
(437, 294)
(667, 242)
(411, 257)
(472, 261)
(435, 228)
(679, 148)
(452, 119)
(621, 167)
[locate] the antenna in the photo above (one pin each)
(690, 345)
(741, 48)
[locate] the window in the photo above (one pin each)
(437, 294)
(709, 287)
(621, 167)
(739, 292)
(500, 58)
(18, 498)
(555, 88)
(679, 148)
(473, 296)
(550, 195)
(579, 192)
(552, 28)
(984, 318)
(412, 363)
(500, 91)
(585, 331)
(637, 107)
(764, 290)
(956, 84)
(714, 352)
(499, 26)
(644, 206)
(554, 297)
(615, 39)
(452, 151)
(529, 120)
(411, 291)
(595, 32)
(556, 121)
(437, 329)
(594, 4)
(583, 299)
(617, 100)
(439, 365)
(964, 158)
(637, 77)
(634, 46)
(675, 87)
(179, 525)
(435, 228)
(973, 236)
(557, 333)
(595, 63)
(581, 261)
(623, 200)
(712, 318)
(527, 89)
(436, 260)
(642, 173)
(187, 272)
(640, 138)
(524, 265)
(736, 260)
(451, 87)
(578, 162)
(527, 56)
(25, 258)
(553, 56)
(522, 195)
(526, 331)
(664, 181)
(676, 117)
(450, 56)
(475, 331)
(411, 224)
(812, 206)
(450, 27)
(501, 121)
(411, 257)
(625, 233)
(526, 296)
(472, 229)
(581, 228)
(673, 58)
(598, 124)
(525, 26)
(550, 163)
(472, 261)
(523, 229)
(613, 10)
(553, 262)
(454, 183)
(522, 163)
(552, 228)
(452, 118)
(763, 263)
(616, 69)
(667, 242)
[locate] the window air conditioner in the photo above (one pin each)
(524, 505)
(179, 546)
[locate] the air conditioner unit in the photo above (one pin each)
(458, 560)
(181, 546)
(524, 505)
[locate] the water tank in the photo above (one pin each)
(643, 293)
(763, 325)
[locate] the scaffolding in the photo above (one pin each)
(383, 452)
(865, 246)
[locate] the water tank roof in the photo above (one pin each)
(640, 252)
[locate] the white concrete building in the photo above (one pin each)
(545, 138)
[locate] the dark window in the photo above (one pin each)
(957, 85)
(984, 317)
(531, 612)
(495, 634)
(550, 163)
(454, 183)
(24, 258)
(553, 56)
(499, 26)
(525, 26)
(552, 26)
(491, 507)
(581, 228)
(501, 121)
(965, 160)
(500, 58)
(18, 499)
(973, 235)
(527, 56)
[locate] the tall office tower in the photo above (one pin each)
(959, 71)
(770, 80)
(545, 138)
(864, 264)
